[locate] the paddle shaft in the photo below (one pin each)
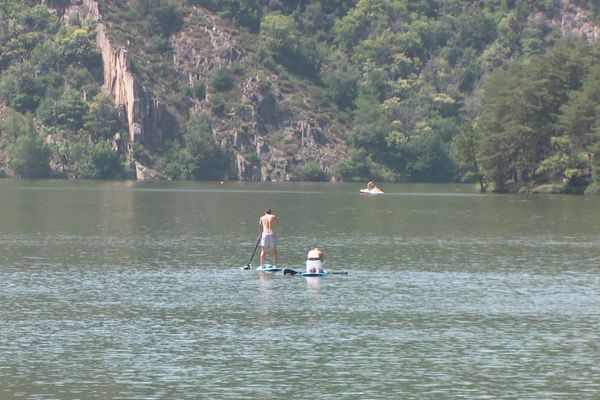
(255, 247)
(288, 271)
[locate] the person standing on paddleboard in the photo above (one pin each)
(266, 226)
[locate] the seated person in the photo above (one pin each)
(314, 262)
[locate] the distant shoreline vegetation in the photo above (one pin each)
(488, 92)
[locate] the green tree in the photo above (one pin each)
(160, 17)
(94, 161)
(580, 115)
(520, 113)
(464, 150)
(371, 127)
(101, 121)
(566, 167)
(594, 187)
(279, 33)
(222, 80)
(67, 111)
(30, 157)
(77, 45)
(14, 124)
(342, 87)
(21, 88)
(498, 129)
(311, 171)
(358, 167)
(199, 90)
(206, 160)
(23, 27)
(217, 105)
(368, 16)
(475, 28)
(283, 40)
(246, 13)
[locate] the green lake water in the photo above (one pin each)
(127, 290)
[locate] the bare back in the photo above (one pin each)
(267, 223)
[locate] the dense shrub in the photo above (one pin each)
(199, 90)
(95, 161)
(30, 157)
(217, 105)
(21, 88)
(221, 80)
(310, 171)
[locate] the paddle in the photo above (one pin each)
(248, 266)
(292, 272)
(288, 271)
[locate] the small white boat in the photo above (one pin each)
(371, 191)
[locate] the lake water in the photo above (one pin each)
(125, 290)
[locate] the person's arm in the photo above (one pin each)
(260, 225)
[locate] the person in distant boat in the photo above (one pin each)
(372, 186)
(314, 260)
(266, 226)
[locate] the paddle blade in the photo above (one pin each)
(288, 271)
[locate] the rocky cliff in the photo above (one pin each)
(138, 109)
(267, 128)
(282, 129)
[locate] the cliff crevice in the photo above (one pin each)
(139, 110)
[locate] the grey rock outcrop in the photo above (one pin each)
(266, 135)
(139, 110)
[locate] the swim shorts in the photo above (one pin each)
(314, 266)
(268, 240)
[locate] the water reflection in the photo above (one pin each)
(313, 283)
(266, 285)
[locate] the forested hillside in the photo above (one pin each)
(502, 93)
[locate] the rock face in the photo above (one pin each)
(263, 137)
(81, 9)
(144, 173)
(574, 21)
(138, 109)
(122, 84)
(571, 21)
(270, 130)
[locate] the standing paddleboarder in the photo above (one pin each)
(266, 226)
